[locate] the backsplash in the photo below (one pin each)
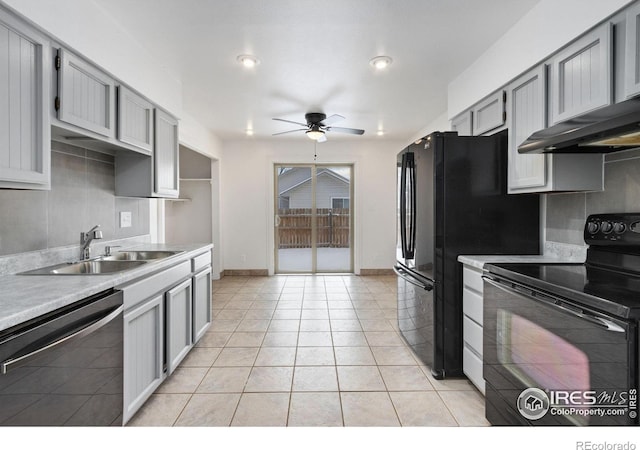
(82, 195)
(567, 213)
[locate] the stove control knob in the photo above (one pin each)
(619, 227)
(592, 227)
(606, 227)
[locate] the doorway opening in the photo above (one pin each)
(313, 218)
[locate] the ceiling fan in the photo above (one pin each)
(317, 125)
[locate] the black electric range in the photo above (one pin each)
(561, 340)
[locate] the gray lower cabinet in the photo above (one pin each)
(201, 303)
(25, 142)
(581, 75)
(143, 350)
(632, 52)
(472, 325)
(135, 120)
(86, 95)
(179, 324)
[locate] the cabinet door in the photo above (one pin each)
(632, 55)
(582, 74)
(166, 155)
(462, 123)
(135, 120)
(179, 324)
(527, 114)
(489, 114)
(143, 353)
(201, 303)
(85, 94)
(25, 143)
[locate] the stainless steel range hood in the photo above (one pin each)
(605, 130)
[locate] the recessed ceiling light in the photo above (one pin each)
(249, 131)
(380, 132)
(381, 62)
(248, 60)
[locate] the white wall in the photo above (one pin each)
(547, 27)
(247, 181)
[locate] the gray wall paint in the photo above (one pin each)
(81, 196)
(567, 213)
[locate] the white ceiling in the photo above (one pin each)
(314, 57)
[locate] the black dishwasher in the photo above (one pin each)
(65, 368)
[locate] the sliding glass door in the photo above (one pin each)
(313, 218)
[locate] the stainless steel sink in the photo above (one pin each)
(143, 255)
(94, 267)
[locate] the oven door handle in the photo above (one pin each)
(554, 303)
(14, 363)
(409, 279)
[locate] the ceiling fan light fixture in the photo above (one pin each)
(381, 62)
(248, 61)
(315, 134)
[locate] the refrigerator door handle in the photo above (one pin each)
(408, 185)
(409, 279)
(403, 205)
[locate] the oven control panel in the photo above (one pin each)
(613, 229)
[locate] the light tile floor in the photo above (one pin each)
(307, 351)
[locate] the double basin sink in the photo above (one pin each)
(104, 265)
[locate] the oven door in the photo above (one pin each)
(548, 361)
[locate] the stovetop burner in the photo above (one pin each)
(609, 280)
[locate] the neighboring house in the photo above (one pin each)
(294, 184)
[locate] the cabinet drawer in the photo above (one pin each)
(472, 368)
(472, 278)
(472, 335)
(472, 304)
(201, 261)
(152, 284)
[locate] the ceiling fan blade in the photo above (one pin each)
(322, 138)
(291, 121)
(332, 119)
(290, 131)
(346, 130)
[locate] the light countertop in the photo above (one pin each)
(478, 261)
(24, 297)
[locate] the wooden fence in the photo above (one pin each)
(333, 226)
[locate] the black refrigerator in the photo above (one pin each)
(452, 200)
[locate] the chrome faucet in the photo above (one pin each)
(85, 241)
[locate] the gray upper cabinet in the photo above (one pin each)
(581, 75)
(527, 114)
(135, 120)
(489, 114)
(632, 52)
(25, 142)
(462, 123)
(86, 95)
(166, 155)
(543, 172)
